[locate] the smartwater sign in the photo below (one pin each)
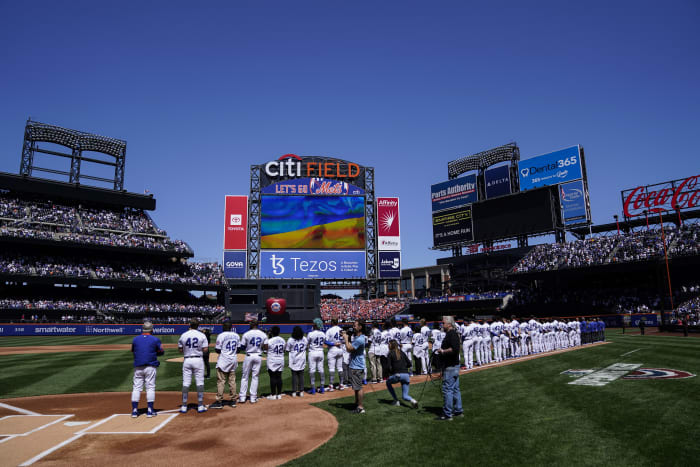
(389, 265)
(497, 181)
(550, 169)
(235, 264)
(453, 193)
(287, 264)
(573, 202)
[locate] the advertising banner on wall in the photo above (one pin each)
(454, 193)
(389, 264)
(388, 233)
(295, 264)
(680, 194)
(572, 199)
(236, 223)
(550, 169)
(497, 181)
(235, 264)
(453, 225)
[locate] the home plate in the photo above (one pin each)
(123, 424)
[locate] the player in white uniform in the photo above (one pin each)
(496, 332)
(524, 333)
(296, 346)
(534, 335)
(384, 350)
(191, 345)
(468, 344)
(316, 339)
(394, 333)
(486, 342)
(425, 332)
(275, 363)
(375, 338)
(254, 341)
(406, 339)
(227, 347)
(421, 359)
(335, 354)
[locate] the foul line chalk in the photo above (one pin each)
(18, 409)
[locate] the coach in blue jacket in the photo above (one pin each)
(146, 349)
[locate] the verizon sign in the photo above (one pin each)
(680, 194)
(389, 237)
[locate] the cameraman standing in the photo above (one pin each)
(449, 355)
(357, 362)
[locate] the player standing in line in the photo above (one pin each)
(384, 350)
(496, 331)
(524, 337)
(375, 366)
(335, 354)
(515, 333)
(406, 337)
(468, 344)
(486, 342)
(191, 345)
(254, 341)
(316, 339)
(227, 347)
(421, 362)
(146, 349)
(394, 333)
(532, 330)
(275, 363)
(296, 346)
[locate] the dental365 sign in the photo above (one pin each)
(551, 169)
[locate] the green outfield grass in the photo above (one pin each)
(521, 414)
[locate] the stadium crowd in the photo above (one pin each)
(180, 273)
(489, 295)
(354, 308)
(21, 218)
(635, 246)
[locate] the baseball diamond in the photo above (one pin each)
(85, 428)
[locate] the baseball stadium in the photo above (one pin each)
(573, 343)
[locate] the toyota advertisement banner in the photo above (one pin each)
(454, 225)
(572, 199)
(235, 264)
(329, 264)
(388, 233)
(497, 181)
(454, 193)
(390, 265)
(236, 223)
(551, 169)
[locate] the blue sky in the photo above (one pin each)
(202, 92)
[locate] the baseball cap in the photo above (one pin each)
(147, 326)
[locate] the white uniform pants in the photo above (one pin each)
(144, 374)
(193, 366)
(251, 368)
(486, 348)
(468, 351)
(335, 363)
(497, 354)
(316, 365)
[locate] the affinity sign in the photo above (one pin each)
(550, 169)
(389, 238)
(330, 264)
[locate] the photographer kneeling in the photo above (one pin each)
(399, 365)
(449, 356)
(357, 361)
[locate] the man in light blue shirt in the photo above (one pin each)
(357, 361)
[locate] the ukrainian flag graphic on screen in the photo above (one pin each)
(312, 222)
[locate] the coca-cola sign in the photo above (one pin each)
(680, 194)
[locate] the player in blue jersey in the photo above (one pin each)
(146, 349)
